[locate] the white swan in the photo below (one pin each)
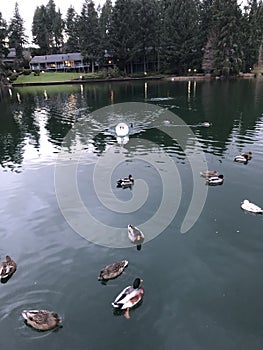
(246, 205)
(122, 129)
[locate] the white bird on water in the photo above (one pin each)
(253, 208)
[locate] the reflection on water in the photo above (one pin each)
(203, 290)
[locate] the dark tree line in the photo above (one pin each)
(170, 36)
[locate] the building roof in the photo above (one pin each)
(75, 56)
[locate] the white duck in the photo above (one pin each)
(122, 129)
(253, 208)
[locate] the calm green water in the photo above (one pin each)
(203, 288)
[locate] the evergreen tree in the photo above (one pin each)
(16, 33)
(105, 24)
(146, 17)
(227, 22)
(180, 35)
(3, 37)
(55, 26)
(207, 36)
(39, 30)
(71, 29)
(252, 33)
(89, 32)
(122, 33)
(47, 28)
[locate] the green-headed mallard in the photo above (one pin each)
(125, 182)
(7, 268)
(42, 320)
(247, 154)
(129, 297)
(135, 235)
(113, 270)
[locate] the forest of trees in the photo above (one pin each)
(164, 36)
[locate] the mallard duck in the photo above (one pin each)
(129, 297)
(248, 155)
(253, 208)
(135, 235)
(125, 182)
(43, 320)
(113, 270)
(122, 129)
(7, 268)
(208, 173)
(215, 180)
(241, 158)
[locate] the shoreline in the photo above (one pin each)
(121, 79)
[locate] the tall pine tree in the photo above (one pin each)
(71, 30)
(16, 33)
(89, 33)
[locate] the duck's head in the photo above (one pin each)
(137, 282)
(8, 259)
(221, 176)
(245, 201)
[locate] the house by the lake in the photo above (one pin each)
(59, 62)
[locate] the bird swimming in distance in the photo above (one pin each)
(7, 268)
(215, 180)
(126, 182)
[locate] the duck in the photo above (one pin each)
(136, 236)
(122, 129)
(126, 182)
(208, 173)
(113, 270)
(241, 158)
(42, 320)
(7, 268)
(253, 208)
(129, 297)
(206, 124)
(248, 155)
(215, 180)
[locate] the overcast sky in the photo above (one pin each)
(27, 9)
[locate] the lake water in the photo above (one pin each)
(63, 219)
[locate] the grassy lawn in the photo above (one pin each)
(46, 77)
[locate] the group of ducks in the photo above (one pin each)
(213, 178)
(130, 296)
(40, 319)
